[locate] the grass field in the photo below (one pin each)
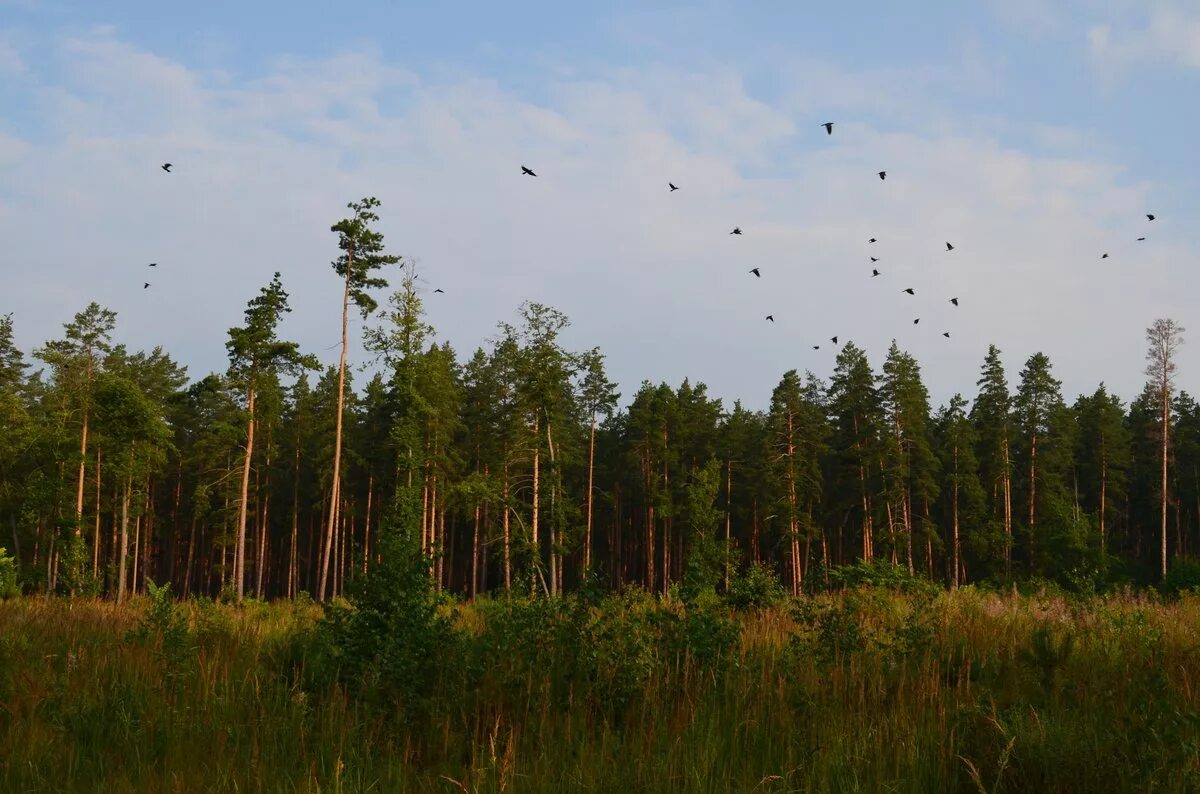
(866, 690)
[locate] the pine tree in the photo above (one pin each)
(855, 415)
(992, 416)
(965, 497)
(1037, 399)
(1103, 456)
(257, 354)
(362, 249)
(598, 395)
(1164, 338)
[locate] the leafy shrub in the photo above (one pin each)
(8, 576)
(1183, 576)
(164, 626)
(390, 643)
(758, 587)
(881, 573)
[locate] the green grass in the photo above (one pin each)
(867, 690)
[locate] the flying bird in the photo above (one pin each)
(1140, 239)
(872, 240)
(874, 259)
(146, 285)
(527, 171)
(954, 301)
(736, 230)
(152, 264)
(771, 317)
(1105, 256)
(883, 174)
(1149, 217)
(166, 167)
(911, 291)
(833, 339)
(874, 272)
(828, 127)
(916, 321)
(754, 270)
(949, 247)
(672, 186)
(439, 289)
(946, 334)
(816, 347)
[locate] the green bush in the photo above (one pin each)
(881, 573)
(8, 576)
(758, 587)
(1183, 576)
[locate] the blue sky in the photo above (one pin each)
(1034, 135)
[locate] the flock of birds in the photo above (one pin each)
(756, 271)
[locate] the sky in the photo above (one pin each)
(1034, 136)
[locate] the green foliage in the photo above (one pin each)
(8, 576)
(756, 588)
(882, 574)
(1183, 576)
(391, 643)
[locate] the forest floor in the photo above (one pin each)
(863, 690)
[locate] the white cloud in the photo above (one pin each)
(263, 167)
(1165, 31)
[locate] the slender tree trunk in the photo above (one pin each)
(1032, 494)
(366, 552)
(96, 532)
(1007, 510)
(191, 553)
(337, 442)
(82, 465)
(239, 558)
(728, 518)
(507, 531)
(954, 580)
(587, 537)
(475, 555)
(1166, 430)
(124, 549)
(537, 444)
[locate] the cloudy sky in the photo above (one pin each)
(1035, 140)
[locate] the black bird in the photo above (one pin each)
(754, 270)
(883, 174)
(1105, 256)
(949, 247)
(672, 186)
(146, 285)
(736, 230)
(816, 347)
(166, 167)
(1149, 217)
(954, 301)
(874, 273)
(874, 259)
(1140, 239)
(771, 317)
(916, 321)
(439, 289)
(152, 264)
(527, 171)
(910, 291)
(828, 127)
(833, 339)
(946, 334)
(872, 240)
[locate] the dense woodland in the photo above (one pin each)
(272, 478)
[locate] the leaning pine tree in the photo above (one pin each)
(362, 253)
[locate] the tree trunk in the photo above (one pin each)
(124, 543)
(337, 438)
(1032, 493)
(587, 536)
(1166, 430)
(537, 445)
(239, 557)
(96, 533)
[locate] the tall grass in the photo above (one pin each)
(866, 690)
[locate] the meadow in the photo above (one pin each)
(866, 689)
